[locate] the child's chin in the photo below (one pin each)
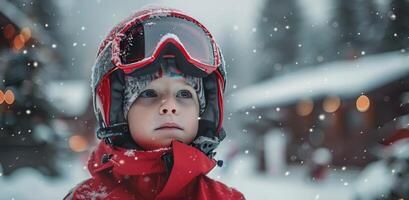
(163, 143)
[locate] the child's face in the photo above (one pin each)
(164, 100)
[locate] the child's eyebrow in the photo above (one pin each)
(188, 85)
(185, 83)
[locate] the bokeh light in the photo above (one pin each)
(362, 103)
(305, 107)
(77, 143)
(331, 104)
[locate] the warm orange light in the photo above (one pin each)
(9, 97)
(331, 104)
(9, 31)
(77, 143)
(305, 107)
(26, 32)
(1, 96)
(362, 103)
(18, 42)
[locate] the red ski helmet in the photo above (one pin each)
(142, 43)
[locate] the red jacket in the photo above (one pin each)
(142, 175)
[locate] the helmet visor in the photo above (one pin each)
(145, 40)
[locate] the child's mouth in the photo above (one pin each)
(169, 126)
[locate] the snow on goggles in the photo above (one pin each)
(139, 45)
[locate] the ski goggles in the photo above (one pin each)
(140, 44)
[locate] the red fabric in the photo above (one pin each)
(141, 175)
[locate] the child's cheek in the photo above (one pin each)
(189, 103)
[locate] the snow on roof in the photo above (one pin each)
(342, 78)
(69, 96)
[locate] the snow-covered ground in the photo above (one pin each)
(30, 184)
(293, 184)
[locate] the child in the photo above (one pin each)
(157, 89)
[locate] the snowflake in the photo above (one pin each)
(130, 153)
(100, 193)
(160, 149)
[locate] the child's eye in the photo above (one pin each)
(184, 94)
(149, 93)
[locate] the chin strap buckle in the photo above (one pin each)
(219, 163)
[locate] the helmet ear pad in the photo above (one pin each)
(117, 80)
(210, 118)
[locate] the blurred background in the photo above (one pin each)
(316, 102)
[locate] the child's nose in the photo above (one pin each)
(168, 106)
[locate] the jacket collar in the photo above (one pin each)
(188, 163)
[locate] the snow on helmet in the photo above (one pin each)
(157, 36)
